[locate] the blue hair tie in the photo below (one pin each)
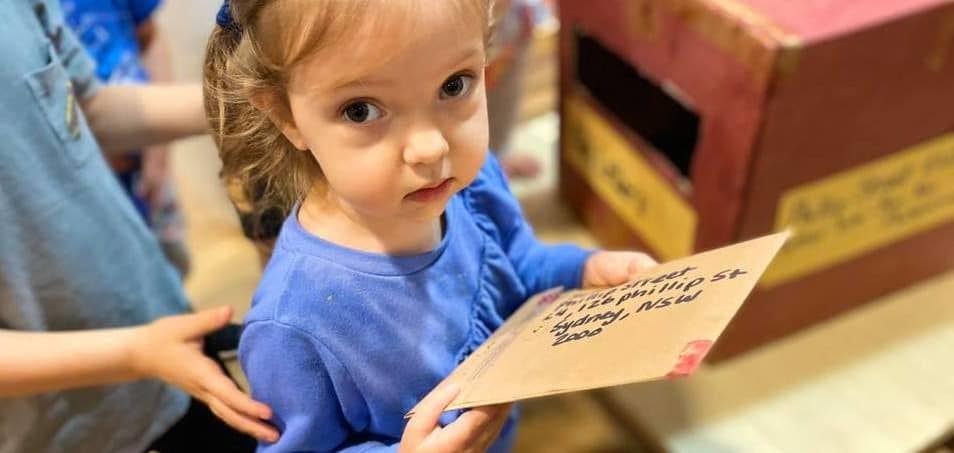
(224, 17)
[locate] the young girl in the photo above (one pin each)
(404, 249)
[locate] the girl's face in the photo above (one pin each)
(395, 113)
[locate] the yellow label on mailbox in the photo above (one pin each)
(629, 184)
(859, 210)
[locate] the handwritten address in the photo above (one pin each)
(589, 314)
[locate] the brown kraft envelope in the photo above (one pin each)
(659, 325)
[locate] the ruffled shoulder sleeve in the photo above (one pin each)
(498, 214)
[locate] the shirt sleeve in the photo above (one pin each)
(290, 371)
(539, 266)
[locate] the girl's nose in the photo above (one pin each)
(425, 146)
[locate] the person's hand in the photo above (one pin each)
(170, 349)
(474, 431)
(614, 268)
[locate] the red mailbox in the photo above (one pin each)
(691, 124)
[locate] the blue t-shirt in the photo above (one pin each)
(342, 343)
(73, 253)
(107, 29)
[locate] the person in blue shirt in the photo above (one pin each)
(404, 249)
(98, 352)
(128, 47)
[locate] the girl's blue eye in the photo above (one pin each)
(360, 112)
(456, 86)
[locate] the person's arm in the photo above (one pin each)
(36, 362)
(292, 372)
(539, 266)
(129, 117)
(168, 349)
(288, 370)
(543, 266)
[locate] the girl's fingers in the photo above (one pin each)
(638, 263)
(428, 412)
(479, 423)
(493, 429)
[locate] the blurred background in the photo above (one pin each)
(675, 126)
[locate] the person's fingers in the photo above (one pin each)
(222, 388)
(193, 373)
(428, 412)
(477, 423)
(248, 425)
(203, 322)
(647, 261)
(492, 431)
(229, 403)
(638, 263)
(596, 268)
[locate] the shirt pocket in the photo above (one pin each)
(53, 91)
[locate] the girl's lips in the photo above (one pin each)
(431, 193)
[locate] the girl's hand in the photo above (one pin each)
(474, 431)
(614, 268)
(170, 349)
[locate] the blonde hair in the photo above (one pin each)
(264, 173)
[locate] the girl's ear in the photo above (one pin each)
(280, 117)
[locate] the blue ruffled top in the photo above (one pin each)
(342, 343)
